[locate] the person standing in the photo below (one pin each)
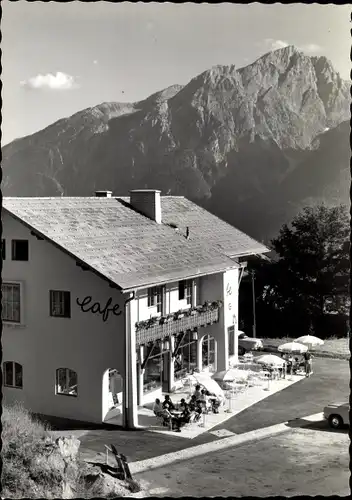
(308, 363)
(115, 386)
(283, 369)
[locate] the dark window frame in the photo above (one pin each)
(155, 298)
(13, 321)
(65, 302)
(3, 249)
(69, 373)
(16, 368)
(16, 250)
(185, 291)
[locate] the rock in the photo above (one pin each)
(97, 479)
(69, 447)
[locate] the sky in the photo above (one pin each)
(58, 58)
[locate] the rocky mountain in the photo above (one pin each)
(253, 144)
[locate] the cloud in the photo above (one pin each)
(275, 44)
(309, 48)
(59, 81)
(95, 61)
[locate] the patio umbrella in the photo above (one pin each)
(209, 384)
(293, 347)
(269, 359)
(310, 340)
(230, 375)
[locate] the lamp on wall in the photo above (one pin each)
(165, 345)
(195, 334)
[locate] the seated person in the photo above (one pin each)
(185, 416)
(176, 423)
(215, 403)
(203, 396)
(183, 405)
(157, 408)
(295, 365)
(194, 406)
(168, 404)
(204, 399)
(197, 393)
(161, 412)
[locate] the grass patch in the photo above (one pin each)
(24, 472)
(332, 348)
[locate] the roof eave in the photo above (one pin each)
(255, 252)
(178, 278)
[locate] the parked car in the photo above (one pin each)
(246, 343)
(337, 414)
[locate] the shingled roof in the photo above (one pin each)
(130, 250)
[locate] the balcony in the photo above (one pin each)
(173, 324)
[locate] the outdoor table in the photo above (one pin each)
(176, 413)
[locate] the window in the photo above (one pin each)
(185, 291)
(186, 356)
(189, 292)
(155, 298)
(20, 250)
(231, 340)
(11, 302)
(60, 304)
(3, 249)
(153, 370)
(13, 374)
(66, 382)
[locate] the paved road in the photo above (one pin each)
(276, 465)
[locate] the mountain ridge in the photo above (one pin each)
(243, 130)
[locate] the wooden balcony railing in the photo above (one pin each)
(182, 321)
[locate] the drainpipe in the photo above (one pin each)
(126, 403)
(253, 299)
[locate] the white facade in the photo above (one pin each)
(84, 342)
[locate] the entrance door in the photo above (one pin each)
(208, 353)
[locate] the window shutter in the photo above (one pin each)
(67, 304)
(51, 293)
(181, 290)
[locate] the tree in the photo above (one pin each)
(307, 285)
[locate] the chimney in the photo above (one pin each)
(103, 194)
(147, 202)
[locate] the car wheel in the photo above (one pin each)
(335, 421)
(241, 350)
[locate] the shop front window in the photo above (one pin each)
(186, 356)
(153, 369)
(208, 352)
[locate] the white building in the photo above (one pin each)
(146, 285)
